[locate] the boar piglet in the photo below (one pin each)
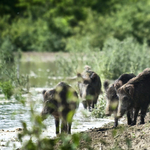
(112, 98)
(61, 102)
(135, 94)
(89, 88)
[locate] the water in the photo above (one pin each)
(13, 112)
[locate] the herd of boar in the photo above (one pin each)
(128, 94)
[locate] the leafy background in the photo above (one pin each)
(62, 25)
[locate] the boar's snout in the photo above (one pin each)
(43, 116)
(119, 115)
(107, 114)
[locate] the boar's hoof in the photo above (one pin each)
(133, 123)
(90, 109)
(129, 122)
(115, 125)
(141, 123)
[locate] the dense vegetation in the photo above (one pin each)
(71, 25)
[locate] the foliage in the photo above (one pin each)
(7, 89)
(6, 50)
(99, 110)
(124, 57)
(8, 7)
(10, 78)
(117, 57)
(48, 25)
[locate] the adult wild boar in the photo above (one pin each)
(135, 94)
(89, 87)
(61, 102)
(112, 98)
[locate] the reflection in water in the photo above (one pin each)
(39, 73)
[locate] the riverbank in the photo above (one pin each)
(121, 138)
(102, 138)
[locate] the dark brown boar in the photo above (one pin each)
(89, 88)
(61, 102)
(112, 98)
(135, 94)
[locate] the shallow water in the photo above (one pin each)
(13, 112)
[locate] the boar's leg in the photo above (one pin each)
(84, 104)
(143, 113)
(135, 116)
(64, 126)
(116, 122)
(57, 125)
(69, 127)
(129, 119)
(94, 101)
(89, 105)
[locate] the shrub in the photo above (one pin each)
(124, 57)
(99, 110)
(7, 89)
(10, 75)
(7, 50)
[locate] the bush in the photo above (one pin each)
(7, 50)
(99, 110)
(124, 57)
(63, 26)
(10, 76)
(7, 89)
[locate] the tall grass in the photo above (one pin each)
(117, 57)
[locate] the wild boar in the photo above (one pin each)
(135, 94)
(112, 98)
(89, 88)
(61, 102)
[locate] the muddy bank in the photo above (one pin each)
(102, 138)
(123, 137)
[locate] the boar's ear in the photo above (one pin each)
(93, 76)
(106, 85)
(79, 77)
(43, 92)
(118, 84)
(130, 90)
